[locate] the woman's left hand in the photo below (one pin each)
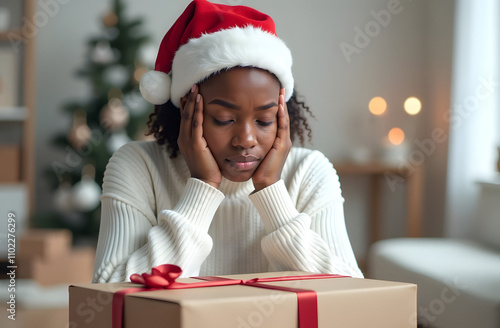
(269, 170)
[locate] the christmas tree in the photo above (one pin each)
(114, 114)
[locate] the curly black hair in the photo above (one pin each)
(165, 121)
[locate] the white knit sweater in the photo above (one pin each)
(153, 213)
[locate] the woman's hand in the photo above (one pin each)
(269, 171)
(192, 144)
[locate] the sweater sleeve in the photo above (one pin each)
(314, 239)
(132, 241)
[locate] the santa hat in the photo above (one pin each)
(208, 38)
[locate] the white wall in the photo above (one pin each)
(394, 64)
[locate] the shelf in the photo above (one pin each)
(13, 114)
(10, 186)
(368, 168)
(17, 118)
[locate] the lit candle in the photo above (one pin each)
(394, 149)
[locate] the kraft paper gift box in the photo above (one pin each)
(10, 162)
(46, 244)
(47, 256)
(341, 302)
(74, 266)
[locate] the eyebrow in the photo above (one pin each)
(233, 106)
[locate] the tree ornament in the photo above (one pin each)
(86, 193)
(147, 54)
(116, 76)
(80, 133)
(114, 116)
(102, 53)
(116, 140)
(110, 19)
(136, 104)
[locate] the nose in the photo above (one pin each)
(245, 136)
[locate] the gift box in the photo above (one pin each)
(45, 244)
(47, 256)
(341, 302)
(74, 266)
(10, 162)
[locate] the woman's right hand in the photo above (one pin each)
(192, 144)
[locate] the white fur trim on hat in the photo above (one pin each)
(210, 53)
(155, 87)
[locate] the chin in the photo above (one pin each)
(238, 178)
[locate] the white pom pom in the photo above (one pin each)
(155, 87)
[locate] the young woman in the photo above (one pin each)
(222, 190)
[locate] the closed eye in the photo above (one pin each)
(218, 122)
(262, 123)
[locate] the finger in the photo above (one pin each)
(197, 125)
(187, 114)
(282, 94)
(282, 91)
(283, 119)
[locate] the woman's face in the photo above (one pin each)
(240, 109)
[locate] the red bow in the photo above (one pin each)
(161, 276)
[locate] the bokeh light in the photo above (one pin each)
(396, 136)
(412, 106)
(377, 106)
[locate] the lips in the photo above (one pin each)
(243, 158)
(243, 162)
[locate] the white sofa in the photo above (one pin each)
(458, 280)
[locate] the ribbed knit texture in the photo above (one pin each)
(154, 213)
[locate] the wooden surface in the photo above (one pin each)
(14, 34)
(380, 173)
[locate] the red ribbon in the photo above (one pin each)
(164, 277)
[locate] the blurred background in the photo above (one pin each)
(406, 102)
